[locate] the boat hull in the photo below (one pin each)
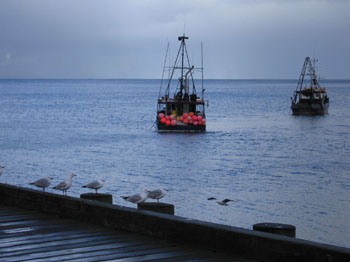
(309, 109)
(180, 128)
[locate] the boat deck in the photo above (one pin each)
(32, 236)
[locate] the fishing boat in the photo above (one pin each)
(309, 97)
(180, 108)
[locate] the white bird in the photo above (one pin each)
(157, 193)
(42, 182)
(223, 202)
(137, 198)
(97, 184)
(65, 185)
(1, 167)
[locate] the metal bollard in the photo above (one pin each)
(106, 198)
(157, 207)
(276, 228)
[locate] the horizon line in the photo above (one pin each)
(291, 79)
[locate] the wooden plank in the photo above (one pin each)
(87, 251)
(11, 212)
(37, 230)
(66, 241)
(36, 239)
(31, 236)
(33, 230)
(81, 243)
(137, 255)
(57, 234)
(16, 217)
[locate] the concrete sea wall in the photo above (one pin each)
(238, 241)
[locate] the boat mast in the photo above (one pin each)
(313, 76)
(182, 39)
(165, 60)
(202, 71)
(302, 75)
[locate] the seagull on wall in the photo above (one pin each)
(97, 184)
(157, 193)
(137, 198)
(42, 182)
(65, 185)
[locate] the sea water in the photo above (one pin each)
(275, 166)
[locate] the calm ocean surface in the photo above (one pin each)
(278, 167)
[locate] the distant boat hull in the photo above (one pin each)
(309, 109)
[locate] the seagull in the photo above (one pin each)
(42, 182)
(137, 198)
(97, 184)
(223, 202)
(65, 185)
(1, 167)
(157, 194)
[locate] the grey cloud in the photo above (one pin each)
(127, 39)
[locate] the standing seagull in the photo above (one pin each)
(97, 184)
(137, 198)
(1, 167)
(157, 194)
(42, 182)
(65, 185)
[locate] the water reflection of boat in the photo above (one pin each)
(179, 108)
(311, 100)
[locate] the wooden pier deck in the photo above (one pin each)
(32, 236)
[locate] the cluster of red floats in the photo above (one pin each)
(187, 119)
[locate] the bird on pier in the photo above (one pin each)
(97, 184)
(1, 167)
(223, 202)
(157, 193)
(42, 182)
(65, 185)
(137, 198)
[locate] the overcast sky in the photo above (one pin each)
(127, 39)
